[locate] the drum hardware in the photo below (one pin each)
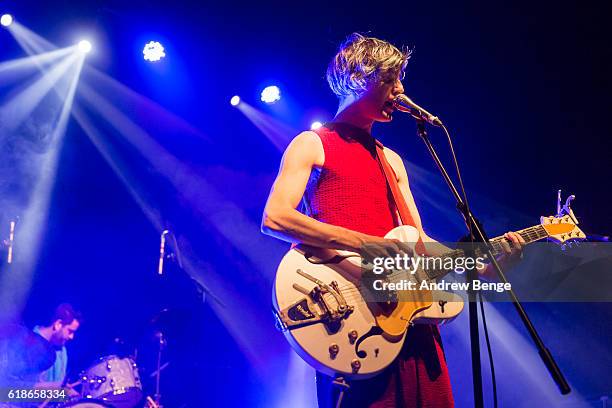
(92, 380)
(161, 345)
(162, 368)
(150, 403)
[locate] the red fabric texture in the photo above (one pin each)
(350, 191)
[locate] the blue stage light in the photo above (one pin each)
(235, 100)
(6, 20)
(153, 51)
(270, 94)
(84, 46)
(315, 125)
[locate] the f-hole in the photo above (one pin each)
(374, 331)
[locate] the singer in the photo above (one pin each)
(331, 193)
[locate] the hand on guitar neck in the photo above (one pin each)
(512, 247)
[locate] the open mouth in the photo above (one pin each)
(388, 108)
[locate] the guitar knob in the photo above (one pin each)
(334, 349)
(356, 365)
(352, 336)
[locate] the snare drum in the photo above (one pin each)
(114, 380)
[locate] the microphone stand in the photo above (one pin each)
(162, 344)
(478, 235)
(174, 254)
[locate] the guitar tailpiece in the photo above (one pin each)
(304, 313)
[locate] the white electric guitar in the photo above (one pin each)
(320, 307)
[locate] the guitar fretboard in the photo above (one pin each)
(531, 234)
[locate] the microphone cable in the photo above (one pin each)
(489, 351)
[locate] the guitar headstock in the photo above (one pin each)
(562, 229)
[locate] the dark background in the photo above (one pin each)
(523, 86)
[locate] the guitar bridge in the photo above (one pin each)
(304, 312)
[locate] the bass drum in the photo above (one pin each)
(85, 403)
(115, 381)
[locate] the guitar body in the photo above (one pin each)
(358, 344)
(326, 319)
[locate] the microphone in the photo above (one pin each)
(11, 241)
(162, 252)
(404, 104)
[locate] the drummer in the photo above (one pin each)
(58, 331)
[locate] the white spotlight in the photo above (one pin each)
(84, 46)
(6, 20)
(235, 100)
(153, 51)
(270, 94)
(315, 125)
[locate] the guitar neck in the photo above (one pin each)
(531, 234)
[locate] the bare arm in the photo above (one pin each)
(282, 220)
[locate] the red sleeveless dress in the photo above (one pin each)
(350, 191)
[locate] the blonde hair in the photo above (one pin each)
(361, 60)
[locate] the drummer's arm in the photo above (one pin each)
(57, 385)
(49, 385)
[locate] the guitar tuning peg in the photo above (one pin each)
(566, 208)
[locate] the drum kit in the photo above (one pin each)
(111, 382)
(114, 381)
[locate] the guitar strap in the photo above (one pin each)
(391, 177)
(398, 199)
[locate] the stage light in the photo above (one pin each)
(84, 46)
(153, 51)
(6, 20)
(270, 94)
(315, 125)
(235, 100)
